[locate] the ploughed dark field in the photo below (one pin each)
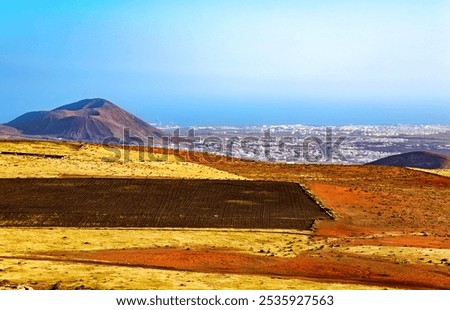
(156, 203)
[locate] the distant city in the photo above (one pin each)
(303, 144)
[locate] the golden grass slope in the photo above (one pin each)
(18, 247)
(81, 159)
(442, 172)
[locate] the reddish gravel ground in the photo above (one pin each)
(367, 200)
(372, 206)
(326, 266)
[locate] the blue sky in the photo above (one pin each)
(231, 62)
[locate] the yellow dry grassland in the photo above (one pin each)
(18, 247)
(24, 252)
(82, 159)
(15, 241)
(442, 172)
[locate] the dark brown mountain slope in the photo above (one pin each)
(424, 160)
(85, 120)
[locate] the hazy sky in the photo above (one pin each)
(231, 62)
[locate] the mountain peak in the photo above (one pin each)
(85, 120)
(84, 104)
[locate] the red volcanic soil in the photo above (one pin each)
(324, 266)
(373, 205)
(367, 200)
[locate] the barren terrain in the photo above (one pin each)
(82, 159)
(390, 231)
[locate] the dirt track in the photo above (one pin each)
(326, 266)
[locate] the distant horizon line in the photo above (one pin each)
(300, 124)
(162, 120)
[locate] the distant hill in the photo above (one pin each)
(87, 120)
(424, 160)
(8, 132)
